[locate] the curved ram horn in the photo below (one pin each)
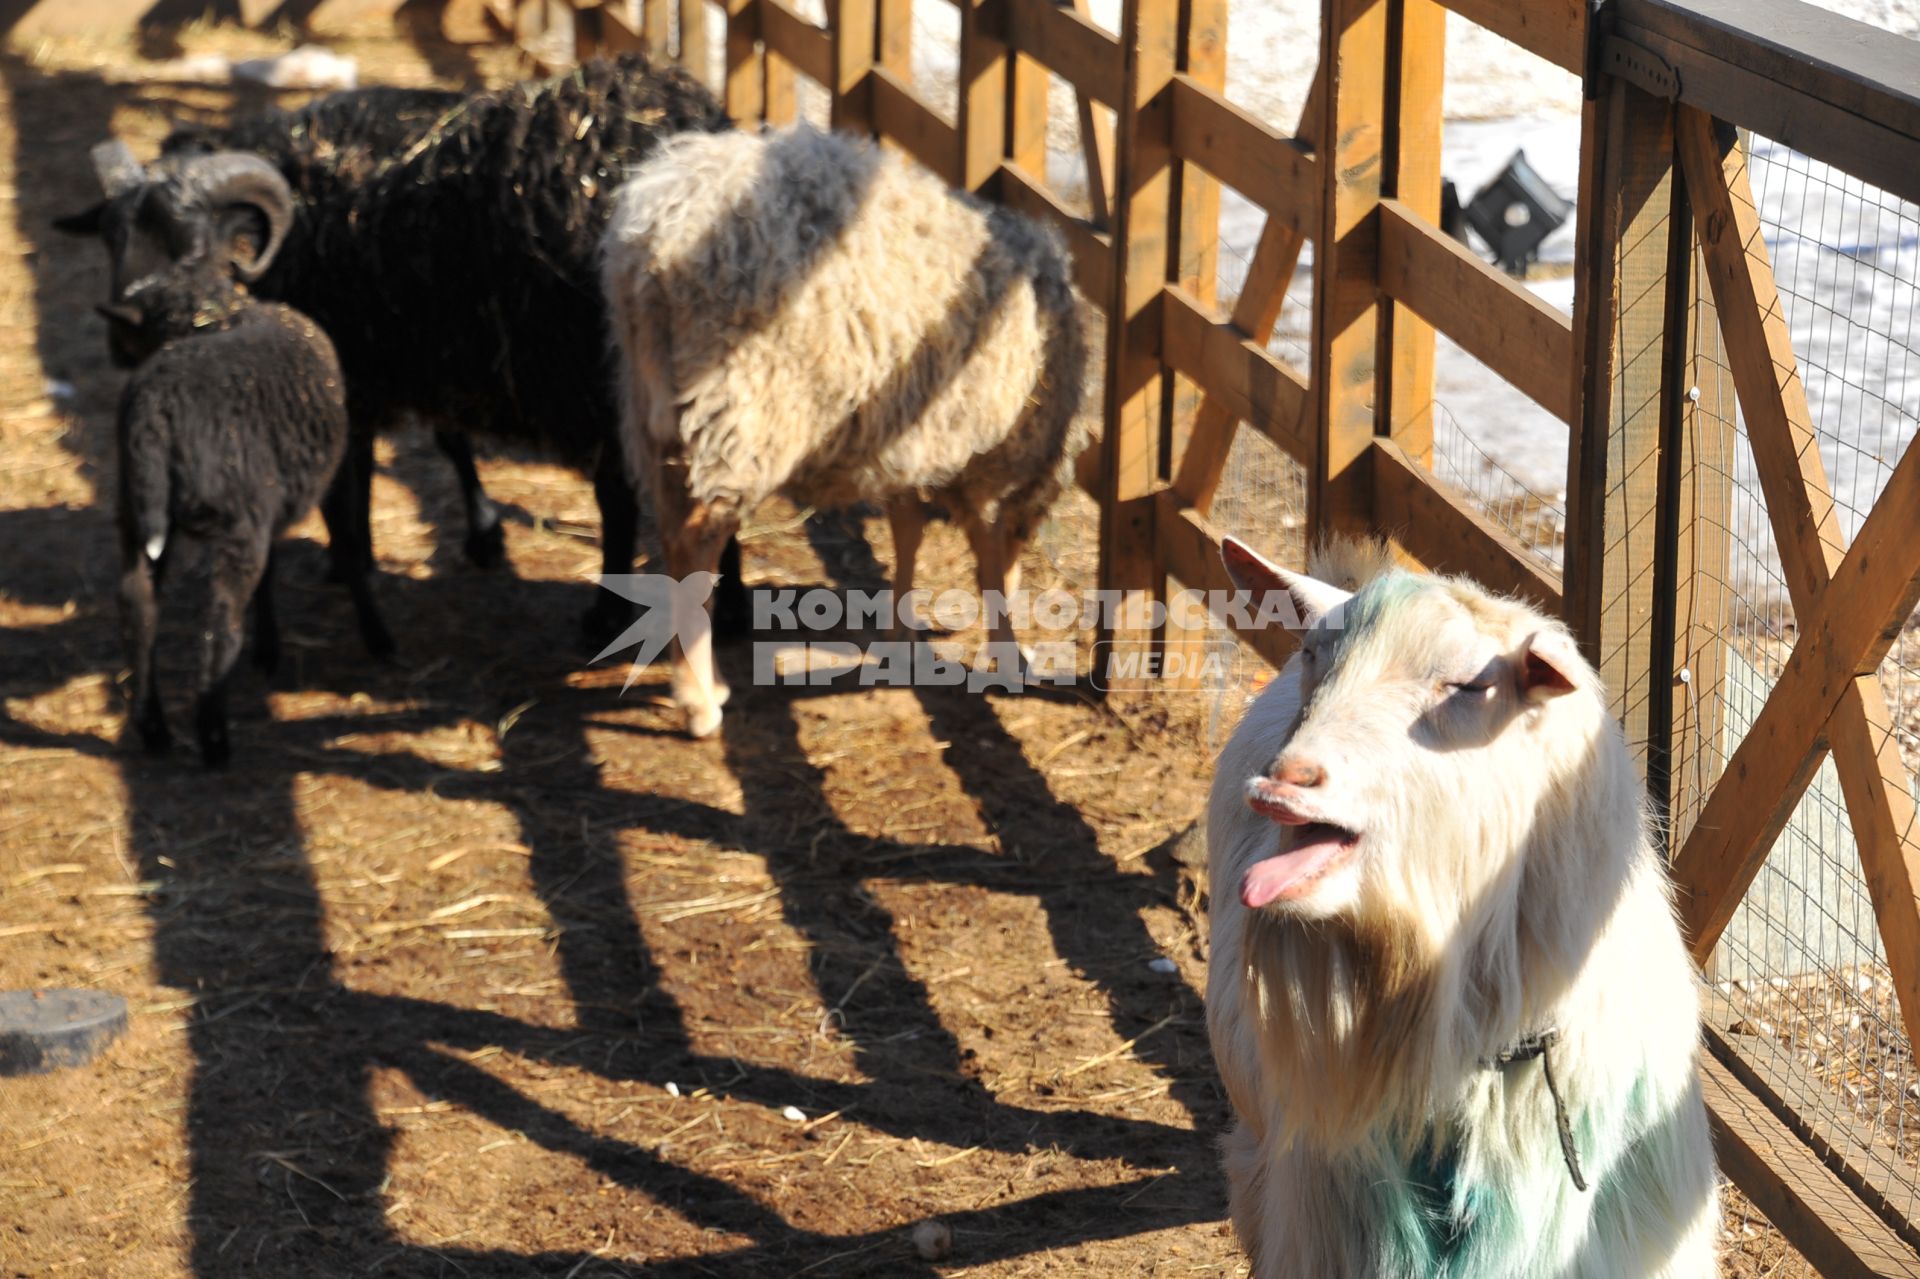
(114, 165)
(236, 177)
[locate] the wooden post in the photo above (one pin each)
(1203, 56)
(1096, 146)
(1416, 40)
(781, 106)
(852, 26)
(695, 48)
(746, 82)
(1353, 57)
(589, 29)
(1195, 266)
(1704, 512)
(1614, 457)
(1255, 312)
(893, 46)
(1669, 566)
(1027, 114)
(1136, 399)
(656, 21)
(606, 30)
(983, 96)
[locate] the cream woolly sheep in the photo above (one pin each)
(808, 314)
(1440, 933)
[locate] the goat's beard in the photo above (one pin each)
(1343, 1007)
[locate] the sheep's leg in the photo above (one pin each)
(238, 567)
(486, 540)
(692, 534)
(609, 614)
(373, 631)
(909, 521)
(350, 532)
(347, 509)
(1011, 548)
(732, 603)
(266, 626)
(619, 530)
(140, 619)
(998, 576)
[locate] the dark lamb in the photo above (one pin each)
(459, 279)
(233, 422)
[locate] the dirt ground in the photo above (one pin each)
(473, 965)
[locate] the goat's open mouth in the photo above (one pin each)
(1318, 848)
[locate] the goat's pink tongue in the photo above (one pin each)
(1272, 878)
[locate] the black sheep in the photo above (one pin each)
(459, 274)
(234, 420)
(324, 149)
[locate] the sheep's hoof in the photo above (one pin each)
(703, 721)
(487, 546)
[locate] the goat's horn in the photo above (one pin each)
(236, 177)
(114, 165)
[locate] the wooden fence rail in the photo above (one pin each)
(1668, 231)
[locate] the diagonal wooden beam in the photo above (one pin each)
(1786, 444)
(1096, 144)
(1800, 505)
(1846, 634)
(1204, 460)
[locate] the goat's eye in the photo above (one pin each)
(1470, 689)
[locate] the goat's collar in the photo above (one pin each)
(1523, 1049)
(1539, 1044)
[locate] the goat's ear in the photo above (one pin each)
(86, 222)
(1549, 665)
(1259, 577)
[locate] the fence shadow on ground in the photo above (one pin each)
(290, 1160)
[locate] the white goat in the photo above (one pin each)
(805, 313)
(1447, 995)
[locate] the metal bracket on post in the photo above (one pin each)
(1639, 67)
(1610, 56)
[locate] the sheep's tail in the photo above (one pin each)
(1063, 371)
(144, 484)
(150, 516)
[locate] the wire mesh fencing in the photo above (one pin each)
(1801, 985)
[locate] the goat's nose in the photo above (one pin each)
(1300, 772)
